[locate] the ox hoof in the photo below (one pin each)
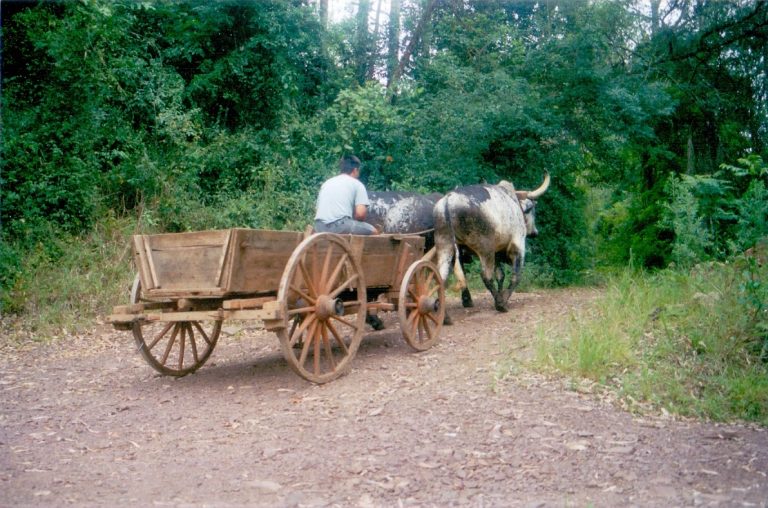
(501, 308)
(447, 320)
(375, 322)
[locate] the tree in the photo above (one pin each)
(393, 40)
(411, 46)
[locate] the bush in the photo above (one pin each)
(694, 343)
(65, 282)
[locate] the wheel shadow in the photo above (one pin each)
(252, 356)
(251, 361)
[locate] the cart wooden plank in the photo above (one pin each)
(213, 264)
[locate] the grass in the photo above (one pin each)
(694, 343)
(65, 283)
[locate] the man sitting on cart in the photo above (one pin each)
(342, 203)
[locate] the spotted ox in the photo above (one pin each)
(493, 222)
(403, 212)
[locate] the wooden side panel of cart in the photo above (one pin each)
(212, 264)
(385, 258)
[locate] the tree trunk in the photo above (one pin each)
(362, 43)
(415, 38)
(373, 47)
(393, 39)
(655, 20)
(324, 13)
(690, 167)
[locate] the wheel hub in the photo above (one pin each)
(328, 307)
(428, 304)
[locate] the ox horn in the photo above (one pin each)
(534, 194)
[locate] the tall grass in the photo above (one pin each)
(65, 282)
(694, 343)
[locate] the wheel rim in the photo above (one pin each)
(322, 303)
(421, 305)
(174, 348)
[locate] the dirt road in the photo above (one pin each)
(86, 422)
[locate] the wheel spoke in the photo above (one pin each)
(202, 332)
(193, 342)
(432, 326)
(296, 334)
(420, 328)
(335, 333)
(170, 343)
(432, 318)
(182, 342)
(315, 267)
(351, 325)
(316, 356)
(413, 317)
(308, 279)
(160, 336)
(328, 351)
(324, 271)
(307, 344)
(302, 294)
(302, 310)
(328, 284)
(342, 287)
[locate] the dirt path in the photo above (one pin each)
(87, 422)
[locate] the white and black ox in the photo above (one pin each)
(493, 222)
(403, 212)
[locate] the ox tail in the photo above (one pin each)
(458, 272)
(461, 280)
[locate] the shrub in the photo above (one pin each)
(695, 342)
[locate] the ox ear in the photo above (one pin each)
(507, 187)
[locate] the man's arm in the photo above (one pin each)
(360, 212)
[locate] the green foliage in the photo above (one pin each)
(62, 280)
(695, 343)
(681, 215)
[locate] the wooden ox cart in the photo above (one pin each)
(313, 291)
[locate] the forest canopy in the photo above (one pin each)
(651, 117)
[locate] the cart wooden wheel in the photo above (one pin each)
(322, 298)
(174, 348)
(421, 305)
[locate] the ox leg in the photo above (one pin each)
(503, 294)
(489, 279)
(517, 265)
(444, 259)
(466, 297)
(374, 321)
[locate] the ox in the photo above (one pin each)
(409, 213)
(403, 212)
(493, 222)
